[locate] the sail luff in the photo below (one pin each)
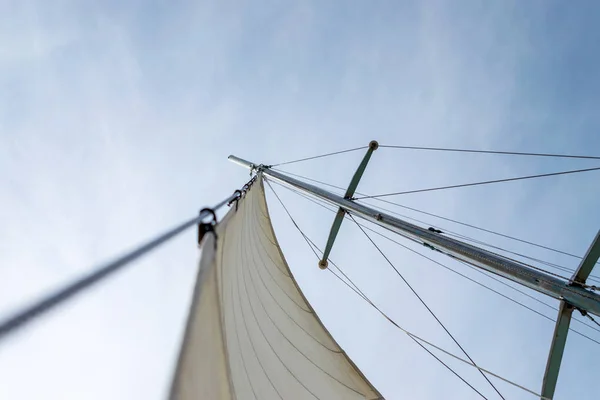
(271, 344)
(202, 370)
(308, 303)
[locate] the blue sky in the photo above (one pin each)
(116, 120)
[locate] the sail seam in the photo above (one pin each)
(348, 359)
(289, 316)
(292, 344)
(222, 317)
(279, 305)
(275, 353)
(237, 280)
(237, 334)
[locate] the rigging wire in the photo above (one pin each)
(443, 218)
(485, 230)
(313, 180)
(275, 325)
(415, 337)
(489, 275)
(482, 229)
(360, 293)
(415, 340)
(479, 183)
(514, 153)
(552, 265)
(482, 243)
(585, 313)
(319, 156)
(308, 241)
(423, 302)
(547, 263)
(537, 268)
(28, 314)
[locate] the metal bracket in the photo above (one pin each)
(238, 194)
(205, 227)
(339, 217)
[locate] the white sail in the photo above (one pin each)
(251, 334)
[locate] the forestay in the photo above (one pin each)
(251, 334)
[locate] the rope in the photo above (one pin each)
(423, 341)
(319, 156)
(28, 314)
(423, 302)
(480, 183)
(514, 153)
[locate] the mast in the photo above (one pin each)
(560, 289)
(573, 293)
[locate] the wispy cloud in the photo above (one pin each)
(116, 120)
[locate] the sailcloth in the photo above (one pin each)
(251, 334)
